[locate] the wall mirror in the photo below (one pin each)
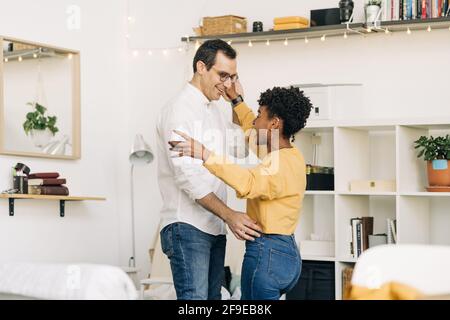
(40, 100)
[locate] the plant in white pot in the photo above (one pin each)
(40, 127)
(436, 151)
(372, 8)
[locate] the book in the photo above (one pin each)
(354, 223)
(367, 229)
(46, 182)
(43, 175)
(358, 237)
(49, 190)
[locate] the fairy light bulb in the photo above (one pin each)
(429, 29)
(34, 55)
(229, 42)
(250, 44)
(165, 52)
(20, 58)
(6, 59)
(180, 49)
(135, 53)
(306, 40)
(267, 43)
(387, 31)
(369, 29)
(70, 56)
(408, 31)
(149, 52)
(286, 42)
(345, 35)
(322, 38)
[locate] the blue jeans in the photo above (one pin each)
(271, 267)
(196, 259)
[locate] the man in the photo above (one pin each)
(194, 213)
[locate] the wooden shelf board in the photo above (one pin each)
(317, 258)
(49, 197)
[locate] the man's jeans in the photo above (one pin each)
(196, 259)
(271, 267)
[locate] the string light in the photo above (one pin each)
(250, 44)
(127, 36)
(130, 19)
(34, 55)
(408, 31)
(165, 52)
(70, 56)
(20, 58)
(386, 31)
(229, 42)
(267, 43)
(322, 38)
(286, 42)
(369, 29)
(149, 52)
(429, 29)
(306, 40)
(6, 59)
(180, 49)
(345, 35)
(135, 53)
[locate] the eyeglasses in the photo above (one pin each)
(224, 77)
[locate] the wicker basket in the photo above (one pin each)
(224, 25)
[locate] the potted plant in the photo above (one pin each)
(39, 126)
(372, 9)
(436, 151)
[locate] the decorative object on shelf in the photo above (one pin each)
(377, 239)
(436, 151)
(140, 154)
(372, 186)
(20, 178)
(39, 126)
(257, 26)
(223, 25)
(372, 10)
(325, 17)
(345, 10)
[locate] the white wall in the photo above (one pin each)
(402, 75)
(122, 94)
(90, 230)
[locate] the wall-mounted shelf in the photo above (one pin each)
(329, 31)
(62, 200)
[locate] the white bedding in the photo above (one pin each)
(65, 281)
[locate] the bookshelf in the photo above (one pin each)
(328, 31)
(372, 149)
(62, 200)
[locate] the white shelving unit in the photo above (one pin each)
(372, 150)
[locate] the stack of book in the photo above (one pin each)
(47, 183)
(361, 228)
(286, 23)
(414, 9)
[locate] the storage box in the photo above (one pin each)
(224, 25)
(316, 248)
(319, 178)
(325, 17)
(372, 186)
(334, 101)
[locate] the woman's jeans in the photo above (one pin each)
(271, 267)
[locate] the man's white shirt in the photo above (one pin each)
(182, 180)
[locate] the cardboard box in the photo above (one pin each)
(316, 248)
(372, 186)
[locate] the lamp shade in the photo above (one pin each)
(140, 152)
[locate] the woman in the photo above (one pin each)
(274, 189)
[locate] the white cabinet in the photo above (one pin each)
(372, 150)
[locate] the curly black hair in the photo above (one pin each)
(289, 104)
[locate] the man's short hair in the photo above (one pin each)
(207, 53)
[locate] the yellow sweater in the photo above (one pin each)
(274, 189)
